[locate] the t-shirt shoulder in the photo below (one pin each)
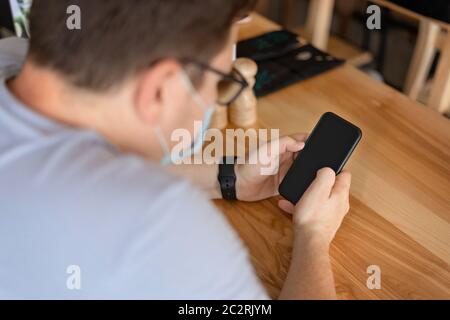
(12, 54)
(85, 161)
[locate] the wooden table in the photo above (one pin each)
(400, 197)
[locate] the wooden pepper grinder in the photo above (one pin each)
(220, 117)
(243, 112)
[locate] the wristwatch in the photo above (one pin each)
(227, 178)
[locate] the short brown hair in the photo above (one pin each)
(120, 38)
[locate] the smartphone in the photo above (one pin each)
(330, 145)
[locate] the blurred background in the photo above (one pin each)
(387, 53)
(405, 53)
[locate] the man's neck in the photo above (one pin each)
(46, 93)
(43, 92)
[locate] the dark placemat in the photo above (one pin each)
(283, 61)
(267, 46)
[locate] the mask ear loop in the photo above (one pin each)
(162, 140)
(159, 134)
(195, 95)
(197, 99)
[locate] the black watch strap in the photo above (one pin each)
(227, 178)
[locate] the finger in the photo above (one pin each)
(342, 184)
(289, 144)
(300, 136)
(286, 206)
(278, 149)
(320, 189)
(341, 191)
(286, 145)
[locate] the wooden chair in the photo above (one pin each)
(432, 38)
(318, 26)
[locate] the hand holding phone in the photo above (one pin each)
(330, 145)
(323, 207)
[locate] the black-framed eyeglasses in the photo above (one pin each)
(230, 85)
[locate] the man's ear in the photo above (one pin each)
(150, 100)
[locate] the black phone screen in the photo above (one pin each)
(331, 144)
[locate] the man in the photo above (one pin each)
(90, 206)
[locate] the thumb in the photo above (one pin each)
(289, 144)
(286, 206)
(320, 189)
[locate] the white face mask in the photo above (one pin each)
(169, 157)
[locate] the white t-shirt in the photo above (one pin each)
(80, 220)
